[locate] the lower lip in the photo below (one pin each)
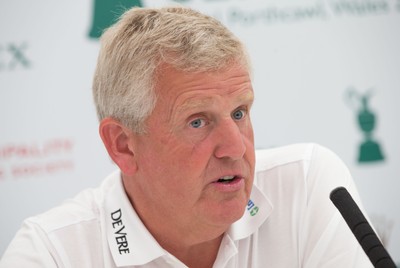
(232, 186)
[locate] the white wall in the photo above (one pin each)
(307, 56)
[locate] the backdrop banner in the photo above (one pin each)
(325, 71)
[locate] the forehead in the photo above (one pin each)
(193, 90)
(201, 101)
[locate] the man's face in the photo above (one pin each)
(196, 163)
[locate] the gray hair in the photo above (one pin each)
(142, 40)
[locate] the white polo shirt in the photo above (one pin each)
(288, 222)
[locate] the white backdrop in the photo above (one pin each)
(313, 62)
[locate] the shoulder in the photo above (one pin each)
(69, 233)
(84, 208)
(304, 166)
(297, 181)
(81, 209)
(304, 154)
(279, 156)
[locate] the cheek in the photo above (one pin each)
(247, 129)
(177, 158)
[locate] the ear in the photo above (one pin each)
(118, 141)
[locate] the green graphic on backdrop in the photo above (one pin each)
(106, 12)
(369, 150)
(19, 56)
(14, 55)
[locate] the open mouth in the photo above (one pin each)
(229, 184)
(227, 179)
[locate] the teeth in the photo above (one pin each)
(226, 178)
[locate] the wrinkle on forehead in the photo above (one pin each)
(196, 102)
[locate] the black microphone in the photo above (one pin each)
(361, 229)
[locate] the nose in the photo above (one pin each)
(231, 141)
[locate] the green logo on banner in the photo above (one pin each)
(106, 12)
(370, 150)
(13, 56)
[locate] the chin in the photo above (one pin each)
(230, 211)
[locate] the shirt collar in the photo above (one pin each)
(131, 243)
(257, 211)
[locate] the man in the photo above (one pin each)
(173, 93)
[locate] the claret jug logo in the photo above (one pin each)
(370, 150)
(106, 12)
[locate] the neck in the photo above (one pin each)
(194, 244)
(189, 246)
(199, 255)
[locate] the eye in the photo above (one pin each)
(197, 123)
(239, 114)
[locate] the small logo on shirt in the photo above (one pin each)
(120, 235)
(252, 208)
